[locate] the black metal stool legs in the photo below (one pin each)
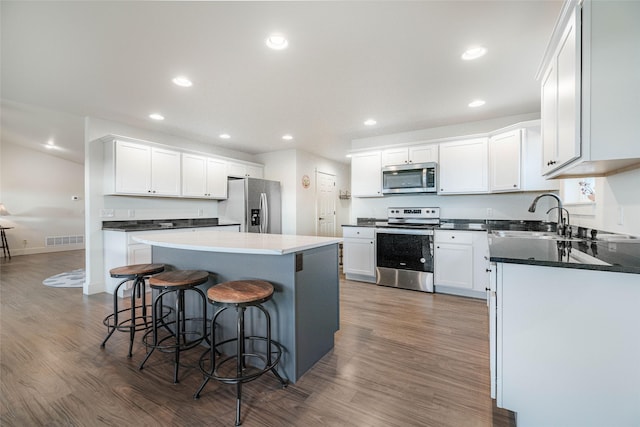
(179, 334)
(242, 373)
(112, 322)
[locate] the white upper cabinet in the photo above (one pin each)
(366, 174)
(132, 168)
(505, 153)
(464, 167)
(165, 172)
(560, 96)
(245, 170)
(589, 87)
(423, 153)
(204, 177)
(412, 154)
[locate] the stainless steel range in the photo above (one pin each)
(404, 248)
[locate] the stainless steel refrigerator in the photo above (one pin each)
(255, 204)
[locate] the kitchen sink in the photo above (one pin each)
(542, 235)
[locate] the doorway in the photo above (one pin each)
(325, 204)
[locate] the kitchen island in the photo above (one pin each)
(303, 270)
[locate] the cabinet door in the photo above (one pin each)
(216, 179)
(359, 257)
(464, 167)
(561, 115)
(366, 175)
(568, 68)
(453, 265)
(132, 168)
(395, 156)
(549, 117)
(505, 152)
(194, 175)
(138, 254)
(165, 172)
(423, 153)
(254, 171)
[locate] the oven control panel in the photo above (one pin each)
(423, 213)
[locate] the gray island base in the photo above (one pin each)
(304, 309)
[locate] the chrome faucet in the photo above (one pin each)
(560, 225)
(566, 230)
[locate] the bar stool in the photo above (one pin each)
(132, 323)
(178, 338)
(240, 294)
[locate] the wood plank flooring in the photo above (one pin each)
(401, 358)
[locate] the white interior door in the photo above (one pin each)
(326, 204)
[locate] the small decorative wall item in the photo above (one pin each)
(345, 195)
(581, 191)
(306, 181)
(587, 191)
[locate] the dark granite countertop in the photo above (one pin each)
(596, 250)
(621, 255)
(163, 224)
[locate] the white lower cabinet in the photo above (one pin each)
(359, 253)
(461, 263)
(566, 347)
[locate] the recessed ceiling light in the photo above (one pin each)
(287, 137)
(224, 136)
(182, 81)
(156, 116)
(348, 156)
(476, 103)
(277, 42)
(370, 122)
(474, 53)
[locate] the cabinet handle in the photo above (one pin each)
(515, 185)
(453, 237)
(488, 270)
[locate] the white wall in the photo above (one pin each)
(36, 189)
(479, 206)
(299, 203)
(617, 206)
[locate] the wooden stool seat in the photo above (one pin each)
(240, 291)
(178, 279)
(136, 270)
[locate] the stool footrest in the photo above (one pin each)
(276, 353)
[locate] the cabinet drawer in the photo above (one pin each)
(462, 237)
(359, 232)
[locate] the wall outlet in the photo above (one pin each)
(489, 212)
(131, 213)
(200, 212)
(24, 242)
(107, 213)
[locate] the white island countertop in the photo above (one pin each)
(242, 243)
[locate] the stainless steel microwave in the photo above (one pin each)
(410, 178)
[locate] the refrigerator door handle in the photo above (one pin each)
(264, 213)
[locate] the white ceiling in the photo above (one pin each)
(398, 62)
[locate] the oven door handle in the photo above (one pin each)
(404, 231)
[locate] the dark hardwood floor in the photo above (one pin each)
(401, 358)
